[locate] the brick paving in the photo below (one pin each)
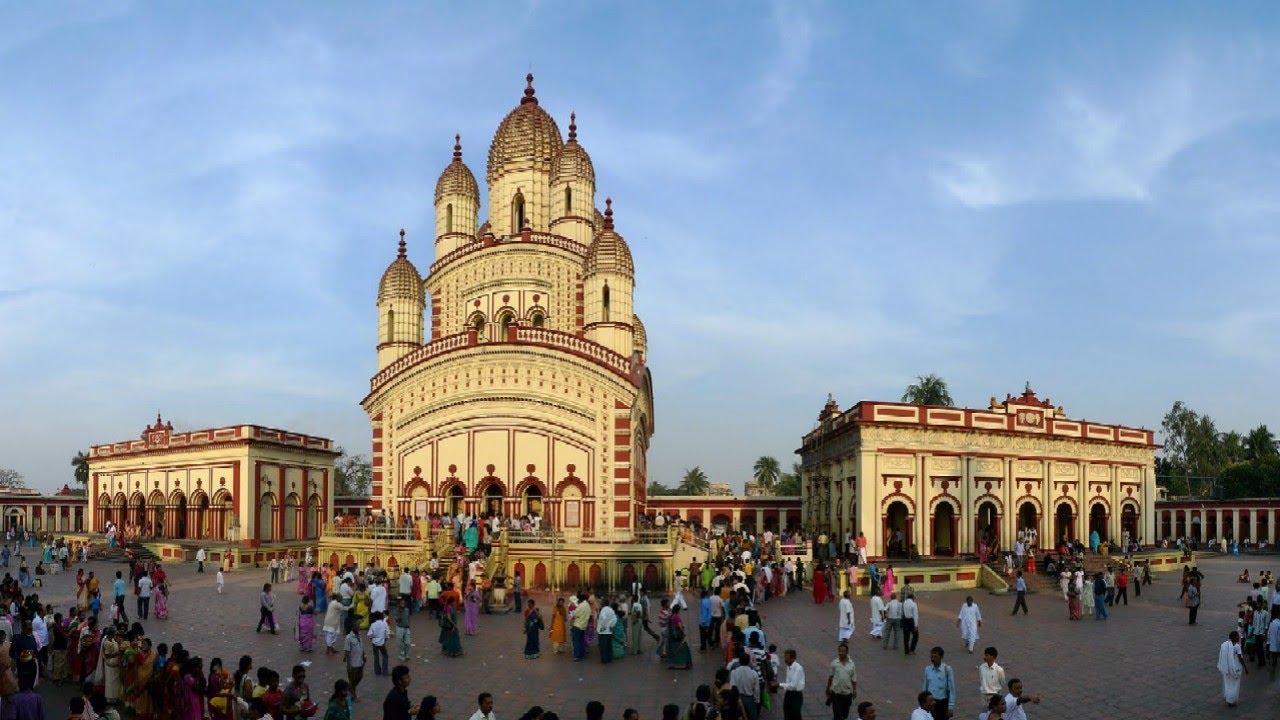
(1145, 662)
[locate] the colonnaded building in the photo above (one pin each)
(512, 378)
(939, 478)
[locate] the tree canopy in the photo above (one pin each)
(10, 478)
(352, 474)
(694, 482)
(767, 472)
(928, 390)
(656, 488)
(789, 485)
(1199, 460)
(81, 464)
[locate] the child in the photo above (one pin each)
(220, 581)
(95, 603)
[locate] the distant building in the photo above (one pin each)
(754, 489)
(719, 490)
(29, 509)
(941, 478)
(240, 483)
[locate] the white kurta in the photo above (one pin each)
(877, 616)
(846, 619)
(1231, 668)
(969, 618)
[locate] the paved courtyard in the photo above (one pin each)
(1145, 662)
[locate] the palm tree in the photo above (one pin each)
(694, 482)
(767, 472)
(789, 485)
(81, 463)
(1232, 448)
(928, 390)
(1260, 443)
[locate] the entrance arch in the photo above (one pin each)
(1028, 518)
(533, 500)
(179, 504)
(944, 530)
(1063, 523)
(265, 524)
(987, 524)
(1098, 520)
(492, 499)
(201, 515)
(139, 516)
(897, 529)
(316, 508)
(292, 510)
(1129, 522)
(455, 500)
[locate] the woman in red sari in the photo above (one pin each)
(819, 586)
(84, 658)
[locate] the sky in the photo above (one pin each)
(197, 201)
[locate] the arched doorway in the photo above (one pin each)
(316, 508)
(987, 524)
(1098, 520)
(944, 520)
(104, 511)
(1062, 525)
(155, 520)
(533, 500)
(139, 515)
(1028, 519)
(455, 500)
(292, 512)
(492, 499)
(222, 518)
(897, 530)
(201, 515)
(1129, 523)
(179, 503)
(265, 515)
(419, 502)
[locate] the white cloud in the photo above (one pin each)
(794, 27)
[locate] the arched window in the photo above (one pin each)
(391, 325)
(477, 324)
(448, 218)
(506, 323)
(606, 302)
(517, 213)
(568, 200)
(538, 320)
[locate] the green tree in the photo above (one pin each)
(10, 478)
(789, 485)
(767, 472)
(656, 488)
(352, 474)
(694, 482)
(1260, 443)
(1231, 448)
(928, 390)
(1193, 448)
(1253, 479)
(81, 464)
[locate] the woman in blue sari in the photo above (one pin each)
(318, 594)
(674, 646)
(532, 626)
(471, 537)
(450, 639)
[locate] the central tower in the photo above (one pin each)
(528, 391)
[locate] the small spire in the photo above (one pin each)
(573, 127)
(608, 213)
(528, 91)
(403, 246)
(457, 148)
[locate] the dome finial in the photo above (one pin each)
(528, 91)
(608, 213)
(457, 148)
(573, 127)
(403, 246)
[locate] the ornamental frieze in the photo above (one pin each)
(1026, 467)
(956, 441)
(1064, 470)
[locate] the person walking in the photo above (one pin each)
(378, 633)
(145, 585)
(910, 624)
(845, 628)
(940, 683)
(1232, 667)
(201, 556)
(990, 676)
(842, 684)
(1015, 700)
(1122, 587)
(792, 687)
(969, 620)
(705, 620)
(267, 611)
(353, 658)
(892, 622)
(1100, 598)
(1020, 585)
(404, 611)
(1193, 601)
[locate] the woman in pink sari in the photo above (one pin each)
(471, 622)
(982, 551)
(304, 581)
(162, 602)
(888, 582)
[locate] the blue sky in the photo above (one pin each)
(197, 200)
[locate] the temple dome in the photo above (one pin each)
(401, 280)
(457, 178)
(526, 137)
(609, 251)
(573, 162)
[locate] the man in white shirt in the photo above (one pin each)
(877, 616)
(910, 625)
(846, 617)
(406, 588)
(605, 622)
(1015, 700)
(892, 622)
(969, 620)
(990, 675)
(379, 632)
(378, 598)
(925, 710)
(144, 596)
(792, 687)
(201, 556)
(486, 708)
(1273, 643)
